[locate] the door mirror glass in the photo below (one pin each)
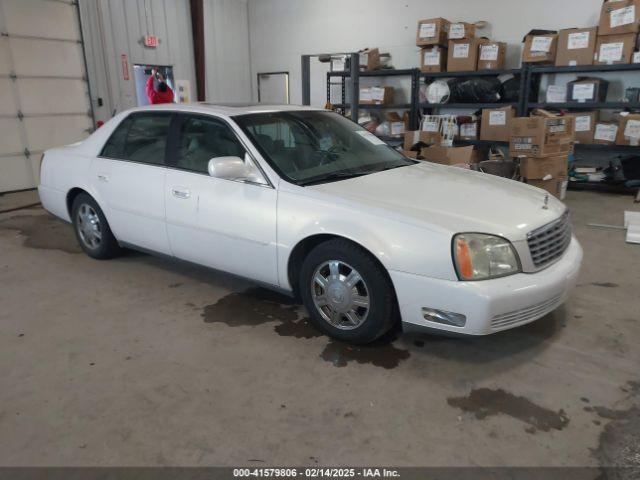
(236, 168)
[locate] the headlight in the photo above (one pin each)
(478, 256)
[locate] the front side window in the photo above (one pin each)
(202, 139)
(307, 147)
(140, 138)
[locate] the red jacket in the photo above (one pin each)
(156, 97)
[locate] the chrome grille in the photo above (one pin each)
(549, 242)
(525, 315)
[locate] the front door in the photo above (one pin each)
(223, 224)
(129, 179)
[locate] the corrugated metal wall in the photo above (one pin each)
(228, 66)
(115, 28)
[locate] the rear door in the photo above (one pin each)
(129, 178)
(224, 224)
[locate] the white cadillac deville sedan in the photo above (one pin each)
(306, 201)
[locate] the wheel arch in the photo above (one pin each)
(306, 245)
(72, 195)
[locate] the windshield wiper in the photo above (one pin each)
(334, 177)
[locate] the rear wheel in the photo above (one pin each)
(92, 230)
(347, 293)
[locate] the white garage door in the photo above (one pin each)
(44, 97)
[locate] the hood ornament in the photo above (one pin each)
(546, 202)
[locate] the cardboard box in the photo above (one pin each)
(614, 49)
(585, 125)
(605, 133)
(463, 54)
(461, 30)
(376, 95)
(542, 135)
(555, 186)
(448, 155)
(433, 31)
(468, 131)
(415, 136)
(576, 46)
(586, 89)
(619, 17)
(495, 123)
(541, 168)
(540, 48)
(433, 59)
(556, 94)
(410, 154)
(629, 130)
(369, 59)
(492, 55)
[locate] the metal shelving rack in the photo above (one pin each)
(534, 76)
(355, 80)
(530, 76)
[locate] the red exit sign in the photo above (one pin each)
(150, 41)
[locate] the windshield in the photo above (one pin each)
(307, 147)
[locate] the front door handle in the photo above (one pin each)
(180, 193)
(103, 177)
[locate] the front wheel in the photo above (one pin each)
(347, 293)
(92, 230)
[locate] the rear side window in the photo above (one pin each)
(140, 138)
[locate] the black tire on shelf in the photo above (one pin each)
(107, 247)
(383, 311)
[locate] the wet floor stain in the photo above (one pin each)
(258, 306)
(619, 442)
(485, 402)
(175, 285)
(605, 284)
(381, 353)
(43, 232)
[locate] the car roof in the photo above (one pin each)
(225, 109)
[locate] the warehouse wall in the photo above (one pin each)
(113, 28)
(282, 30)
(226, 34)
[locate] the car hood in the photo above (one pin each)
(451, 199)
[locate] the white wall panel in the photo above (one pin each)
(283, 30)
(7, 102)
(52, 96)
(44, 57)
(226, 33)
(4, 56)
(44, 132)
(16, 172)
(11, 140)
(52, 19)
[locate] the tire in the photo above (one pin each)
(340, 305)
(92, 229)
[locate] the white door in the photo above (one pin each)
(44, 95)
(129, 178)
(223, 224)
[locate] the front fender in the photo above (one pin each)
(398, 246)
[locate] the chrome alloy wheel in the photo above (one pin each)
(340, 295)
(88, 225)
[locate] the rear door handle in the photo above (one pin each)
(103, 177)
(180, 192)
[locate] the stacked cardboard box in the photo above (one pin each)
(495, 123)
(432, 37)
(540, 46)
(576, 46)
(617, 32)
(543, 143)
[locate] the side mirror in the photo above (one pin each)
(235, 168)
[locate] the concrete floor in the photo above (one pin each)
(141, 361)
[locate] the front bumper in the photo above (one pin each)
(491, 305)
